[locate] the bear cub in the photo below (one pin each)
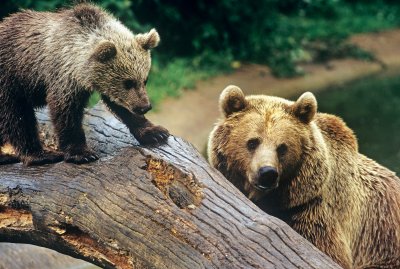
(59, 59)
(304, 168)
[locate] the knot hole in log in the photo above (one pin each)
(181, 188)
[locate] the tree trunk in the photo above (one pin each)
(136, 207)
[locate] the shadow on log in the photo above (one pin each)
(137, 207)
(23, 256)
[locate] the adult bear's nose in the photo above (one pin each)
(267, 178)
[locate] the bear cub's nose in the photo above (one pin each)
(143, 110)
(267, 177)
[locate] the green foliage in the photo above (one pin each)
(278, 33)
(371, 107)
(94, 99)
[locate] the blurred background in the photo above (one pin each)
(346, 51)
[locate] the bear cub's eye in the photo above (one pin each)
(253, 143)
(129, 84)
(282, 149)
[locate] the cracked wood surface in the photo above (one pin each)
(162, 207)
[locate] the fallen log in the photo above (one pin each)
(136, 207)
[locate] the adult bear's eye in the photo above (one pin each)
(253, 143)
(129, 84)
(282, 149)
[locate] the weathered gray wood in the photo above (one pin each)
(23, 256)
(137, 207)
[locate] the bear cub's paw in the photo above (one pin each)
(80, 156)
(42, 157)
(8, 159)
(152, 135)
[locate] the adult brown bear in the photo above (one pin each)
(304, 167)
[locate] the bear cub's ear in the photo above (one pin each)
(305, 107)
(104, 51)
(232, 100)
(148, 40)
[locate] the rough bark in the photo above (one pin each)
(136, 207)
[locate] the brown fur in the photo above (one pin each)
(344, 203)
(60, 58)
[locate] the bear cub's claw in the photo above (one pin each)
(8, 159)
(152, 135)
(43, 157)
(81, 156)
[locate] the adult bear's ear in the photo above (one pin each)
(305, 107)
(104, 51)
(148, 40)
(232, 100)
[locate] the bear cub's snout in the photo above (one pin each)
(143, 110)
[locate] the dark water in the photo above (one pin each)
(371, 107)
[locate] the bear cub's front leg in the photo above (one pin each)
(145, 132)
(150, 134)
